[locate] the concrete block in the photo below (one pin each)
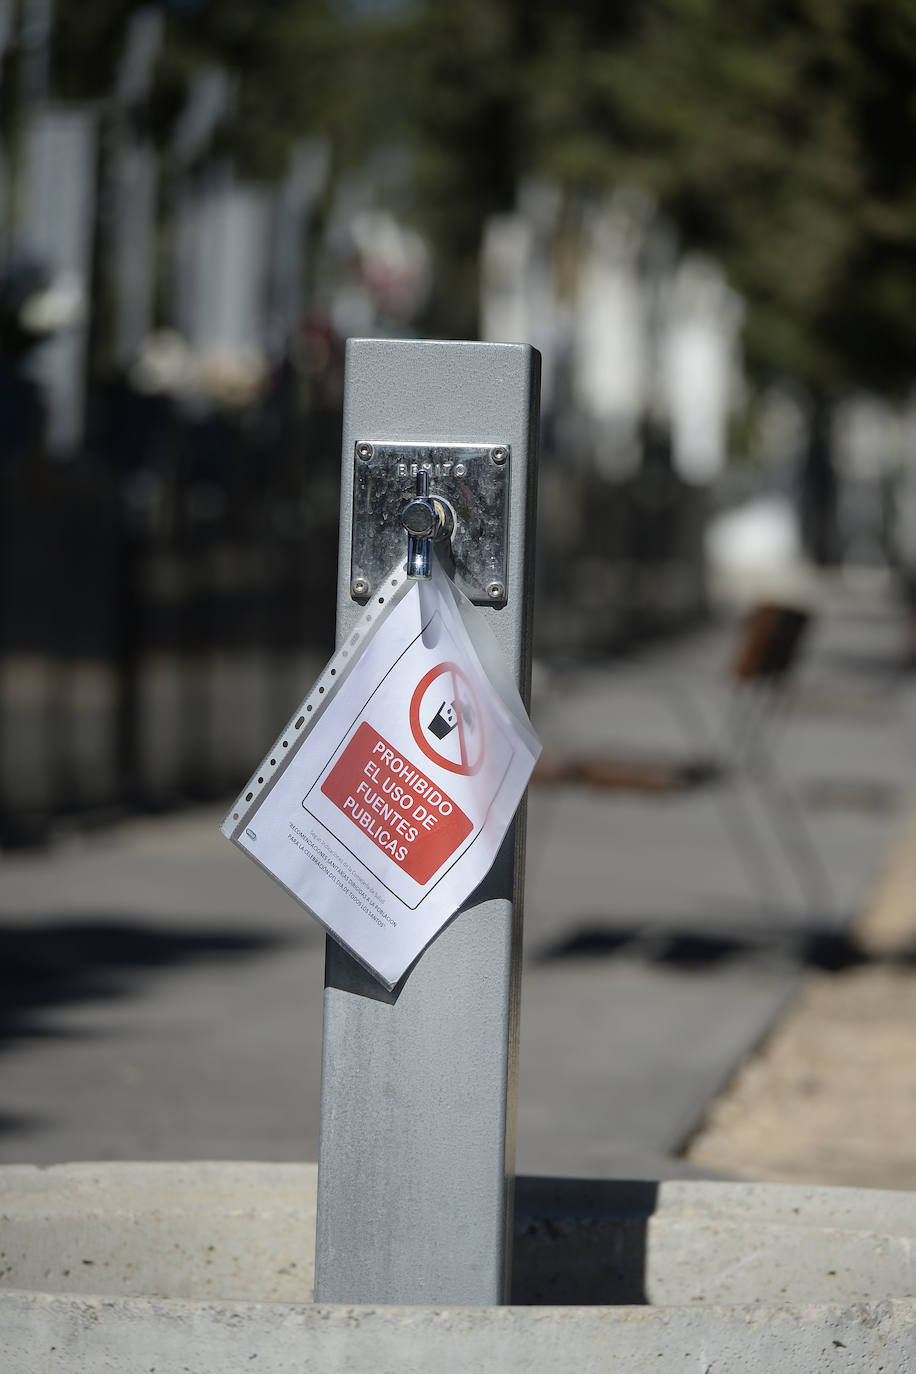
(606, 1241)
(208, 1268)
(71, 1335)
(232, 1231)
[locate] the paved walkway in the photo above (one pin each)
(161, 999)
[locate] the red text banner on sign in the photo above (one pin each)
(392, 801)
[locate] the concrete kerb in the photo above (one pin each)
(133, 1336)
(208, 1267)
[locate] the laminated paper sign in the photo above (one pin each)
(393, 807)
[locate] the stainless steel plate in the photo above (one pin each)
(473, 478)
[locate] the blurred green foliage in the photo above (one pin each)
(777, 134)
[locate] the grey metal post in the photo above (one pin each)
(417, 1147)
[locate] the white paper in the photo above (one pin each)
(394, 806)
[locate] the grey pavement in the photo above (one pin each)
(162, 998)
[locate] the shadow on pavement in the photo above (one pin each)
(658, 942)
(60, 963)
(18, 1122)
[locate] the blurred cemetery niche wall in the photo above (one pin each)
(171, 373)
(169, 448)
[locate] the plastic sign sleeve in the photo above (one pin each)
(394, 804)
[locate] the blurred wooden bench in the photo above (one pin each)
(768, 650)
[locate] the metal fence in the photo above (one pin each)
(163, 597)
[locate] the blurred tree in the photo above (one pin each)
(776, 134)
(290, 61)
(86, 43)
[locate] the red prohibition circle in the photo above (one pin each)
(464, 767)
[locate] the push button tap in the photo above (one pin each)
(426, 519)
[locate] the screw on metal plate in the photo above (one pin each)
(359, 587)
(496, 591)
(452, 494)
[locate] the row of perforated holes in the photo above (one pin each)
(354, 640)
